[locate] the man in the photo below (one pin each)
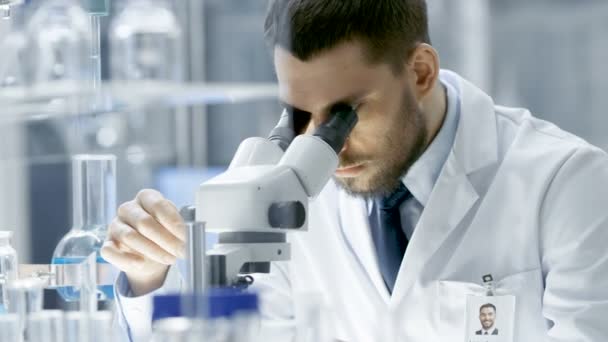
(487, 317)
(437, 186)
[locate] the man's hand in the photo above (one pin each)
(145, 238)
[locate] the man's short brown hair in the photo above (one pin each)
(389, 29)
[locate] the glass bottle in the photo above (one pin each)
(146, 42)
(8, 267)
(94, 203)
(13, 66)
(59, 35)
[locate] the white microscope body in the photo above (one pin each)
(264, 194)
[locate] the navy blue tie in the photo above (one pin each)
(389, 238)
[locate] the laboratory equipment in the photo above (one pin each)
(230, 315)
(146, 42)
(6, 7)
(46, 325)
(76, 326)
(196, 251)
(8, 268)
(59, 39)
(264, 194)
(100, 326)
(13, 66)
(94, 203)
(25, 298)
(10, 328)
(96, 9)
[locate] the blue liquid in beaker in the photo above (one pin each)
(71, 293)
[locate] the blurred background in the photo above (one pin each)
(546, 55)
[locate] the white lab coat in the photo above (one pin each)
(517, 198)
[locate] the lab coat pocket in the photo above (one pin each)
(527, 287)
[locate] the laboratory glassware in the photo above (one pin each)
(10, 328)
(25, 297)
(8, 267)
(100, 327)
(146, 42)
(59, 39)
(94, 203)
(13, 66)
(76, 326)
(46, 325)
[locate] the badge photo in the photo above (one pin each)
(490, 318)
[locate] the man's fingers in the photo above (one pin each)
(124, 261)
(149, 227)
(163, 210)
(135, 241)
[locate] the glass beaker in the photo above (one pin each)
(8, 267)
(94, 203)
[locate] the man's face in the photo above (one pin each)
(487, 317)
(391, 133)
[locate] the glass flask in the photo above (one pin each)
(59, 36)
(146, 42)
(94, 203)
(8, 267)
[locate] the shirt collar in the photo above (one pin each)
(423, 174)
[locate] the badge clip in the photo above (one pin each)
(488, 282)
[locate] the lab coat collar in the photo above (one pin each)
(422, 176)
(476, 142)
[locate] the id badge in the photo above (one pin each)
(490, 318)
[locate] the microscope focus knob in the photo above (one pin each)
(287, 215)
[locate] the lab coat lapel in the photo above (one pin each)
(475, 147)
(452, 198)
(354, 223)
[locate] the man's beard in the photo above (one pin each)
(401, 152)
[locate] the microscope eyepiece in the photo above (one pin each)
(335, 130)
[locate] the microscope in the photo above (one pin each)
(262, 196)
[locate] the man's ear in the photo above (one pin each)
(423, 65)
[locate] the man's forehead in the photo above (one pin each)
(326, 79)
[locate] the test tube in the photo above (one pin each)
(25, 297)
(10, 330)
(96, 9)
(45, 326)
(76, 326)
(100, 327)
